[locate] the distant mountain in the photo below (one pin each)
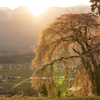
(6, 13)
(19, 28)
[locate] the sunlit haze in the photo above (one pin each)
(39, 6)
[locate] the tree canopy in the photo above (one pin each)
(69, 47)
(95, 6)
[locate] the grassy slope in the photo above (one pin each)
(54, 98)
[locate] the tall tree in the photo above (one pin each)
(71, 40)
(95, 6)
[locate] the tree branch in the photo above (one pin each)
(75, 51)
(62, 58)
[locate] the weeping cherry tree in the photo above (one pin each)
(69, 47)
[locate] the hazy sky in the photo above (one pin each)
(41, 3)
(38, 6)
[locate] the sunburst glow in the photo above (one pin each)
(39, 6)
(35, 10)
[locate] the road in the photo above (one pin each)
(19, 83)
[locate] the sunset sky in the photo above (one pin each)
(40, 5)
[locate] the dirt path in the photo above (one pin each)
(19, 84)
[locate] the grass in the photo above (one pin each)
(24, 86)
(53, 98)
(15, 73)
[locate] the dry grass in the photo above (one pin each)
(53, 98)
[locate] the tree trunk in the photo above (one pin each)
(94, 76)
(97, 80)
(93, 72)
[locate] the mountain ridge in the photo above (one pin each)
(19, 28)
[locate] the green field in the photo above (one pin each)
(24, 74)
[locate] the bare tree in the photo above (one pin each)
(71, 44)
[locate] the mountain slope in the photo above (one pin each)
(19, 29)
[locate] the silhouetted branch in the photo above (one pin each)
(62, 58)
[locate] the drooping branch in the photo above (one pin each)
(62, 58)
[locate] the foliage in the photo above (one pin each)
(95, 6)
(69, 47)
(44, 90)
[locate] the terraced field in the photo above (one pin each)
(24, 74)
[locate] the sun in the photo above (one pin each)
(36, 10)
